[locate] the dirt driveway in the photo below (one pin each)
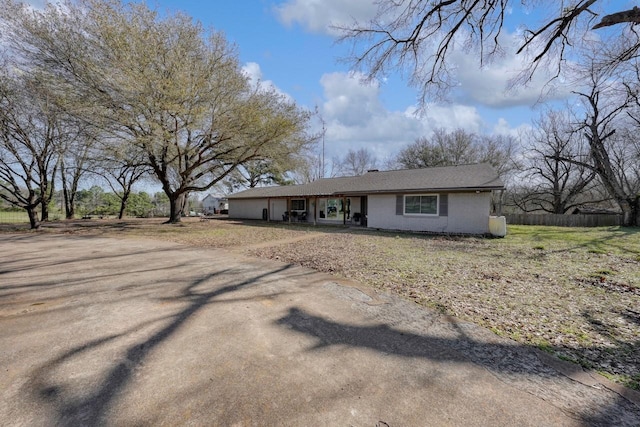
(130, 332)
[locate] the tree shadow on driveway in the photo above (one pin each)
(91, 407)
(512, 363)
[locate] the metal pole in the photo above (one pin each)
(323, 132)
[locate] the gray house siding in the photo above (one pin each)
(469, 212)
(247, 208)
(252, 208)
(465, 213)
(278, 208)
(451, 199)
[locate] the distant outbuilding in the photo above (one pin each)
(215, 204)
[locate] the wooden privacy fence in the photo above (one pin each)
(579, 220)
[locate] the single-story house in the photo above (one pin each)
(214, 204)
(452, 199)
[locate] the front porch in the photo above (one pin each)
(345, 210)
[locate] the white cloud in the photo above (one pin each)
(356, 118)
(319, 15)
(493, 86)
(503, 127)
(350, 100)
(254, 73)
(451, 117)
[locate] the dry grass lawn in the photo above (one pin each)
(572, 292)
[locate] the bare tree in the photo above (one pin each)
(357, 162)
(459, 147)
(418, 37)
(29, 133)
(311, 167)
(121, 164)
(443, 148)
(607, 104)
(556, 177)
(74, 162)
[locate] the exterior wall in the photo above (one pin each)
(467, 213)
(278, 208)
(354, 207)
(247, 208)
(252, 208)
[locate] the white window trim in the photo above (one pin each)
(404, 205)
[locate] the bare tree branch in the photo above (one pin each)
(632, 16)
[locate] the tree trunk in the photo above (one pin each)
(631, 217)
(69, 193)
(33, 218)
(123, 204)
(47, 188)
(185, 204)
(604, 169)
(175, 208)
(69, 208)
(44, 206)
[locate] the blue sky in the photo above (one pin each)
(289, 44)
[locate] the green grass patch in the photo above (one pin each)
(604, 272)
(633, 382)
(545, 346)
(21, 217)
(595, 240)
(13, 217)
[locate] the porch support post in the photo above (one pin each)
(289, 209)
(315, 210)
(344, 210)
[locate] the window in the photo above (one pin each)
(423, 204)
(298, 205)
(331, 209)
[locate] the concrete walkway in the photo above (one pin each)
(98, 331)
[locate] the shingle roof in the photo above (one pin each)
(449, 178)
